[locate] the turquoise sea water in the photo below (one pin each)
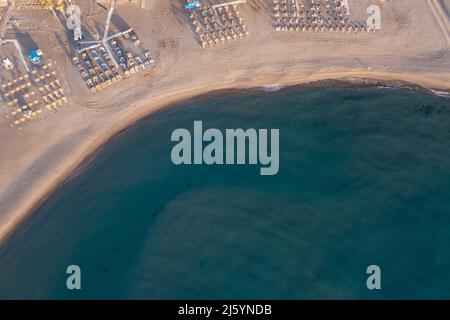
(364, 179)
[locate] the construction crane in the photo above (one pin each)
(192, 5)
(105, 39)
(11, 6)
(107, 24)
(108, 19)
(6, 18)
(228, 3)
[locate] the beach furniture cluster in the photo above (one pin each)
(49, 86)
(27, 95)
(216, 25)
(315, 15)
(19, 99)
(100, 69)
(130, 55)
(96, 68)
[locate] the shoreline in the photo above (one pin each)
(24, 207)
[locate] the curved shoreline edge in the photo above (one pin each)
(26, 205)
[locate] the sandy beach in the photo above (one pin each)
(412, 47)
